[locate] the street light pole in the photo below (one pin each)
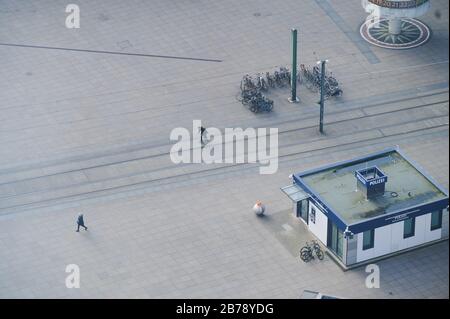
(293, 98)
(322, 95)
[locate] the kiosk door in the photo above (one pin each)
(302, 210)
(300, 199)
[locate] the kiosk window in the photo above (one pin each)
(436, 220)
(409, 227)
(368, 239)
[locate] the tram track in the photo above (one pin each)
(216, 171)
(222, 101)
(189, 175)
(281, 133)
(144, 166)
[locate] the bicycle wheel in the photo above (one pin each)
(305, 256)
(244, 101)
(300, 78)
(280, 83)
(320, 254)
(333, 81)
(264, 85)
(304, 249)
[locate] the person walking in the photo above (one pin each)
(80, 222)
(202, 132)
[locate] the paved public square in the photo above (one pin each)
(85, 126)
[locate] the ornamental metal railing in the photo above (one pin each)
(410, 4)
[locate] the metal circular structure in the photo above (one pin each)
(392, 24)
(414, 33)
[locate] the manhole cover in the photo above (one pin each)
(103, 17)
(124, 44)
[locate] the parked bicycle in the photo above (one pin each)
(261, 83)
(247, 83)
(270, 80)
(310, 79)
(285, 75)
(307, 252)
(318, 250)
(256, 101)
(313, 80)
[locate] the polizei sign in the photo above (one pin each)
(378, 181)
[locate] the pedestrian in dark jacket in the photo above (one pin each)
(202, 133)
(80, 222)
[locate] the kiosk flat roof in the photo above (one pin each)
(406, 187)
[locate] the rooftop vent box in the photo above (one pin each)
(371, 181)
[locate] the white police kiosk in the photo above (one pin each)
(370, 207)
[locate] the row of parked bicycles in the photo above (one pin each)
(253, 88)
(309, 250)
(312, 79)
(256, 101)
(280, 78)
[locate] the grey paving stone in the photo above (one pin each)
(73, 125)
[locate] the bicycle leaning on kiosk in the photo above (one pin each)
(307, 252)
